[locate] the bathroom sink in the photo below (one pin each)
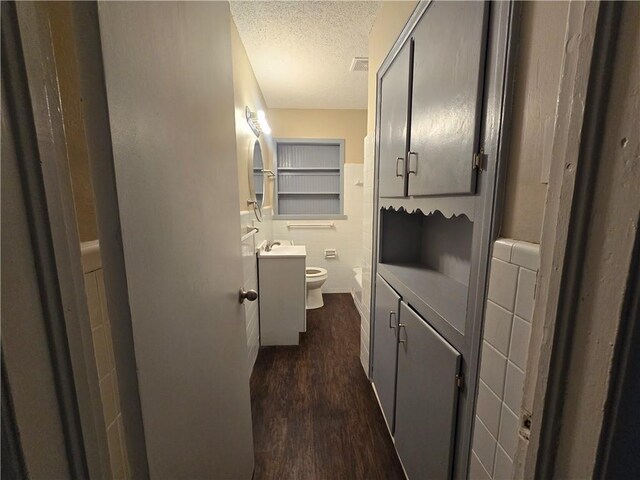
(279, 251)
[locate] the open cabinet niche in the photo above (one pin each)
(431, 254)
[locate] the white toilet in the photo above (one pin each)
(316, 277)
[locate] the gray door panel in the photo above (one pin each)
(426, 401)
(394, 98)
(446, 99)
(385, 347)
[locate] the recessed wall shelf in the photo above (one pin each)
(430, 254)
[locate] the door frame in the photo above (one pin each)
(86, 29)
(557, 347)
(33, 33)
(34, 106)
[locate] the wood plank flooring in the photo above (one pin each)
(315, 415)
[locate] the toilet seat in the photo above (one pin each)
(315, 272)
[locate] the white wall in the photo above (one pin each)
(507, 329)
(345, 237)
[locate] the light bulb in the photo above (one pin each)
(264, 125)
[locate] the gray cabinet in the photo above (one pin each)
(426, 398)
(385, 347)
(394, 113)
(449, 43)
(442, 102)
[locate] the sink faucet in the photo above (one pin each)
(270, 245)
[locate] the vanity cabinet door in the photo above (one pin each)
(385, 347)
(446, 103)
(394, 113)
(427, 395)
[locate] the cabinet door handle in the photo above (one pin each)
(391, 315)
(401, 173)
(401, 326)
(415, 169)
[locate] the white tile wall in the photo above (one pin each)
(367, 246)
(345, 237)
(502, 288)
(507, 328)
(476, 470)
(105, 361)
(503, 469)
(497, 327)
(488, 408)
(484, 444)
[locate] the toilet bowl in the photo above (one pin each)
(315, 276)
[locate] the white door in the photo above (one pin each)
(169, 85)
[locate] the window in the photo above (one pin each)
(309, 178)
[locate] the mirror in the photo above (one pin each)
(256, 178)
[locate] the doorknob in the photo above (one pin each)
(250, 295)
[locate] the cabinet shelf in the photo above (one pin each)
(430, 255)
(443, 294)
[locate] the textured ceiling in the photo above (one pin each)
(301, 51)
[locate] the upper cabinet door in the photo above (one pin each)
(449, 44)
(394, 114)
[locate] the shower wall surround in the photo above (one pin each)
(505, 347)
(367, 245)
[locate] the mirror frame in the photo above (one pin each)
(253, 200)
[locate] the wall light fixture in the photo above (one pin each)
(257, 121)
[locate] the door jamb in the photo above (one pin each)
(585, 79)
(86, 30)
(56, 243)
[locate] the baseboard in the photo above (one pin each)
(336, 290)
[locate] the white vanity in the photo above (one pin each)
(281, 283)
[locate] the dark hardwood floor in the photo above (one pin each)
(315, 415)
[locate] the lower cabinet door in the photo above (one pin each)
(426, 401)
(385, 347)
